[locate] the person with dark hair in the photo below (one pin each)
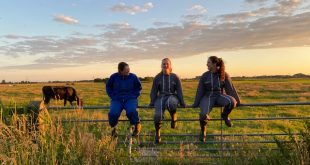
(210, 92)
(166, 93)
(124, 89)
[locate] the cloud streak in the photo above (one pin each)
(124, 8)
(65, 19)
(278, 8)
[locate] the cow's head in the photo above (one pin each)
(79, 101)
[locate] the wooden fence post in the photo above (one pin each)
(39, 116)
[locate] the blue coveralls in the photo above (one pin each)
(123, 91)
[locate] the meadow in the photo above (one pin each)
(90, 143)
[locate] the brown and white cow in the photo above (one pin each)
(60, 93)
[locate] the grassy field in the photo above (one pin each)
(250, 90)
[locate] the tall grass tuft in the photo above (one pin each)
(296, 151)
(21, 145)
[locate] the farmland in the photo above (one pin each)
(84, 136)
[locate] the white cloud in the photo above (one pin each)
(195, 15)
(65, 19)
(123, 8)
(148, 6)
(199, 9)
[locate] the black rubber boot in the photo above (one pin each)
(203, 133)
(173, 123)
(226, 119)
(157, 133)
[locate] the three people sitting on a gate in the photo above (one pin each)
(166, 93)
(124, 89)
(210, 92)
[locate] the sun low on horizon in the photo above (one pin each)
(81, 40)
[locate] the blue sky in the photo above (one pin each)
(74, 40)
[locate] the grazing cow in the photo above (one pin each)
(60, 93)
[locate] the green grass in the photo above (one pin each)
(251, 91)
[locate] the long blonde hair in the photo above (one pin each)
(167, 59)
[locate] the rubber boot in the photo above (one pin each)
(114, 132)
(173, 123)
(226, 119)
(203, 133)
(137, 130)
(157, 133)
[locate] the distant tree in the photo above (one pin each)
(148, 79)
(98, 80)
(3, 82)
(299, 75)
(104, 80)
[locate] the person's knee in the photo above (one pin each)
(234, 102)
(172, 106)
(229, 103)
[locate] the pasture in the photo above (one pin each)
(85, 137)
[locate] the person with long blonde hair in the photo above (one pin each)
(166, 93)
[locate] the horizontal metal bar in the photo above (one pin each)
(203, 149)
(274, 104)
(185, 156)
(177, 156)
(189, 106)
(207, 142)
(90, 107)
(211, 135)
(190, 120)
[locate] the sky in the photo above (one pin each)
(81, 40)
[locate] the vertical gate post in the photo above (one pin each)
(222, 148)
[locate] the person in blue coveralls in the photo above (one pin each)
(124, 89)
